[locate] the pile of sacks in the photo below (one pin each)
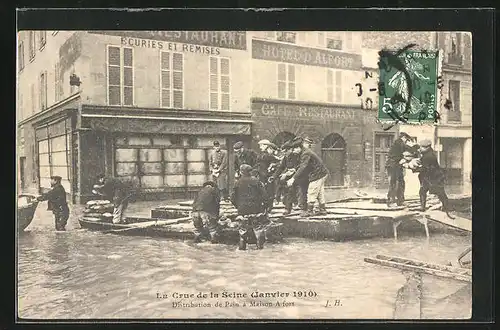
(99, 210)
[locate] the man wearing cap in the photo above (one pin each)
(243, 156)
(206, 211)
(395, 172)
(313, 169)
(218, 168)
(431, 176)
(284, 172)
(308, 142)
(266, 165)
(115, 191)
(56, 202)
(249, 198)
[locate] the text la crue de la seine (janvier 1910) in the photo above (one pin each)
(226, 299)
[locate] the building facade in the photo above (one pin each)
(143, 106)
(306, 83)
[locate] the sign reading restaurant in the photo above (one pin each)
(274, 51)
(222, 39)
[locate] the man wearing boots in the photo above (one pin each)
(243, 156)
(218, 168)
(266, 165)
(395, 171)
(56, 200)
(249, 198)
(283, 173)
(311, 168)
(431, 176)
(206, 210)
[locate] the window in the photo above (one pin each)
(220, 83)
(120, 76)
(58, 83)
(455, 48)
(42, 38)
(334, 86)
(284, 36)
(172, 80)
(454, 95)
(286, 81)
(31, 39)
(20, 55)
(43, 90)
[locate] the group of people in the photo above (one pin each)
(294, 174)
(418, 158)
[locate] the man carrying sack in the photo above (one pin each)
(115, 191)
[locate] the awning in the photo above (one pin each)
(166, 125)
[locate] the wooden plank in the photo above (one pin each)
(420, 263)
(366, 206)
(434, 272)
(442, 217)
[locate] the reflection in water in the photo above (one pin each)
(81, 274)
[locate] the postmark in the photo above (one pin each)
(408, 86)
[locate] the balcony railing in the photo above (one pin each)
(454, 117)
(455, 59)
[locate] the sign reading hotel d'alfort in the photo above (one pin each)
(222, 39)
(274, 51)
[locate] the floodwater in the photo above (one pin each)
(80, 274)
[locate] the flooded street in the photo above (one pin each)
(82, 274)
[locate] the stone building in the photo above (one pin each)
(142, 106)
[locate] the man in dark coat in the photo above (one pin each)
(249, 198)
(218, 167)
(266, 166)
(431, 177)
(313, 169)
(57, 203)
(206, 210)
(284, 172)
(115, 191)
(243, 156)
(395, 171)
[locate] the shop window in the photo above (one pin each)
(32, 44)
(43, 91)
(220, 83)
(120, 76)
(284, 36)
(172, 80)
(42, 38)
(334, 86)
(286, 81)
(20, 55)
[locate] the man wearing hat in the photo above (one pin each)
(249, 198)
(284, 172)
(431, 176)
(312, 169)
(115, 191)
(206, 210)
(243, 156)
(266, 166)
(218, 167)
(56, 202)
(394, 169)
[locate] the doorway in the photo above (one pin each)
(333, 151)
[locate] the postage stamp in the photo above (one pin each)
(408, 86)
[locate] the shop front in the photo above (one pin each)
(162, 155)
(350, 141)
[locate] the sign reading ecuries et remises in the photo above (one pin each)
(273, 51)
(222, 39)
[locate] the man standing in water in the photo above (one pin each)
(206, 210)
(115, 191)
(395, 172)
(431, 176)
(218, 167)
(249, 198)
(57, 203)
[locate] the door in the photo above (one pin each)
(22, 172)
(333, 150)
(382, 145)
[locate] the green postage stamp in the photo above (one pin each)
(408, 86)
